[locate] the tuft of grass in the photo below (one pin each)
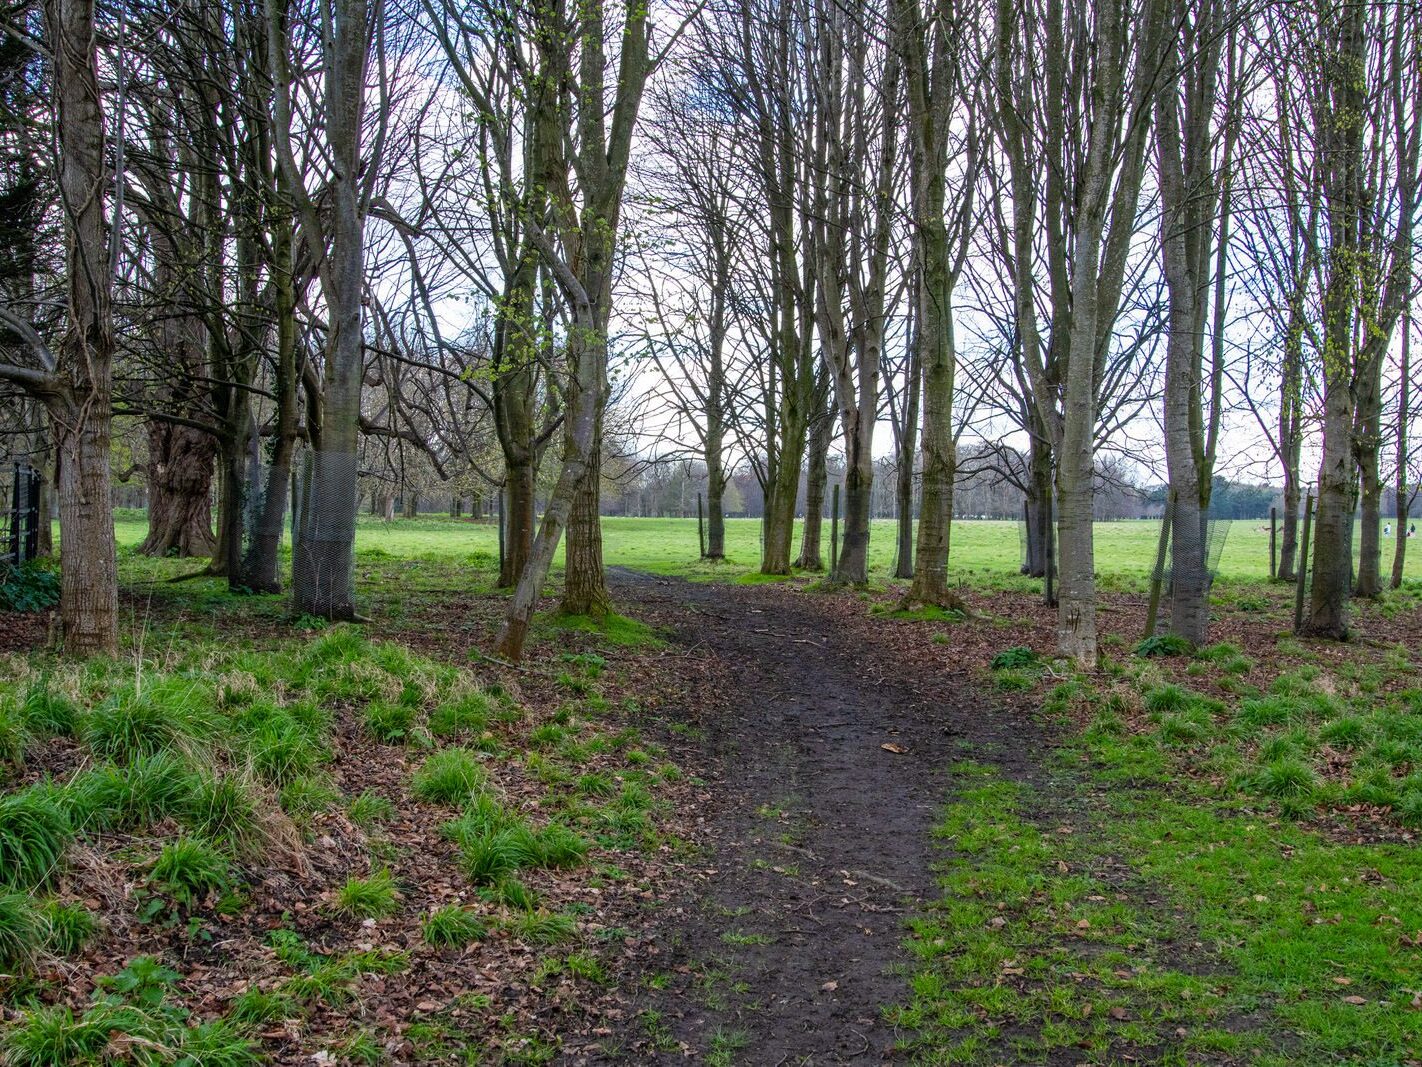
(454, 926)
(131, 798)
(1286, 777)
(1346, 731)
(544, 929)
(281, 750)
(166, 715)
(34, 832)
(451, 776)
(47, 713)
(389, 723)
(188, 870)
(465, 717)
(303, 798)
(1167, 698)
(13, 737)
(512, 893)
(368, 898)
(69, 927)
(224, 810)
(258, 1008)
(22, 930)
(46, 1037)
(370, 809)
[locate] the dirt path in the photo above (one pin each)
(789, 945)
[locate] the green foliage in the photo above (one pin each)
(370, 809)
(34, 832)
(171, 714)
(258, 1008)
(13, 737)
(452, 776)
(388, 723)
(454, 926)
(1286, 777)
(368, 898)
(32, 586)
(466, 716)
(47, 713)
(134, 797)
(69, 927)
(280, 749)
(22, 930)
(544, 929)
(302, 798)
(131, 1012)
(1015, 658)
(1164, 645)
(1346, 732)
(224, 810)
(188, 870)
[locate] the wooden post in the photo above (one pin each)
(1157, 578)
(1273, 543)
(701, 524)
(1302, 583)
(834, 534)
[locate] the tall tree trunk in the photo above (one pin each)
(1367, 450)
(1333, 526)
(715, 492)
(1291, 440)
(907, 455)
(811, 556)
(1038, 501)
(180, 468)
(519, 517)
(584, 591)
(1403, 498)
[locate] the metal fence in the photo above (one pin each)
(20, 519)
(1211, 536)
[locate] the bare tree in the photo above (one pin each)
(74, 380)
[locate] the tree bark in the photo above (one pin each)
(180, 468)
(811, 557)
(584, 591)
(1403, 498)
(79, 409)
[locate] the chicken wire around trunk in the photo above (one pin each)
(1212, 533)
(323, 552)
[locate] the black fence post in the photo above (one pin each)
(834, 534)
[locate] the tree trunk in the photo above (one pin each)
(715, 500)
(519, 518)
(1404, 389)
(1367, 447)
(1038, 503)
(584, 587)
(80, 414)
(907, 454)
(821, 433)
(410, 505)
(780, 507)
(180, 468)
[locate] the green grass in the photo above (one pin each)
(454, 926)
(1161, 923)
(188, 870)
(34, 832)
(368, 898)
(450, 776)
(669, 546)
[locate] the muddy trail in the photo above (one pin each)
(827, 760)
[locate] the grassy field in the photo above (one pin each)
(982, 550)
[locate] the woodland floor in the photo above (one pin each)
(821, 831)
(830, 761)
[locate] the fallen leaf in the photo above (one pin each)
(1342, 981)
(890, 746)
(1355, 999)
(830, 987)
(1119, 1013)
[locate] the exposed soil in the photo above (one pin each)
(830, 755)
